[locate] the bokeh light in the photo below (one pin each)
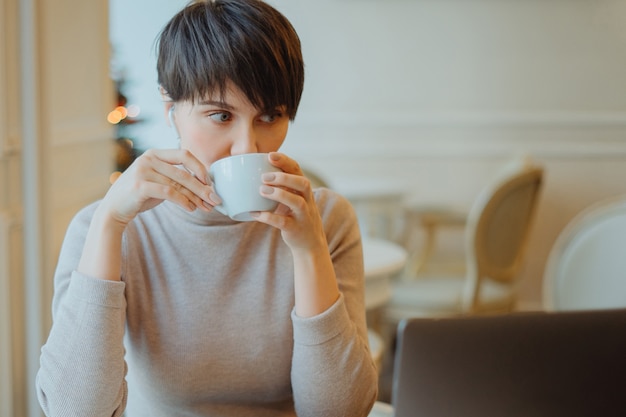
(114, 117)
(120, 113)
(133, 110)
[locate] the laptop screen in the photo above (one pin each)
(566, 364)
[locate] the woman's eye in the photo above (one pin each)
(270, 117)
(220, 117)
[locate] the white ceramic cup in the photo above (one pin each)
(237, 180)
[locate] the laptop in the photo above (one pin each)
(569, 364)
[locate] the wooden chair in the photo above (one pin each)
(496, 235)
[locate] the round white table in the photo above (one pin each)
(378, 205)
(382, 259)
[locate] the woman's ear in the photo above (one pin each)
(168, 105)
(172, 122)
(170, 116)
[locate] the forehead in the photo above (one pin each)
(230, 96)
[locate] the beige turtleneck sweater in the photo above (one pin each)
(203, 324)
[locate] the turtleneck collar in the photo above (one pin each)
(198, 216)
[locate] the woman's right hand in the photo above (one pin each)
(157, 175)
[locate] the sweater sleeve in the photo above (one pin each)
(333, 373)
(82, 366)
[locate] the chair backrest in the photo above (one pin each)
(498, 227)
(586, 268)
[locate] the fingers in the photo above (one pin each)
(172, 193)
(297, 215)
(187, 177)
(295, 198)
(175, 191)
(289, 187)
(286, 188)
(285, 163)
(153, 177)
(181, 157)
(186, 183)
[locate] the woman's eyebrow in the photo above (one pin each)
(221, 104)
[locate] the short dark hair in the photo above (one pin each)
(247, 42)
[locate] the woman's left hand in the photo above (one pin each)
(297, 215)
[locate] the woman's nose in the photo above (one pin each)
(245, 141)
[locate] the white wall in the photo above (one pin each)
(133, 28)
(435, 95)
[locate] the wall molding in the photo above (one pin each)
(353, 150)
(444, 120)
(489, 134)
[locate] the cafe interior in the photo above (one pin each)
(482, 144)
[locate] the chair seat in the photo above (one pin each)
(442, 296)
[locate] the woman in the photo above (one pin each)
(165, 307)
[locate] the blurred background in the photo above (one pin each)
(429, 97)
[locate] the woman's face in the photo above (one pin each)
(212, 129)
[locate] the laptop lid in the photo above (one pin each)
(569, 364)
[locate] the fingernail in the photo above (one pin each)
(215, 199)
(275, 157)
(267, 190)
(268, 177)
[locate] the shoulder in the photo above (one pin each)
(331, 203)
(338, 216)
(83, 217)
(76, 232)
